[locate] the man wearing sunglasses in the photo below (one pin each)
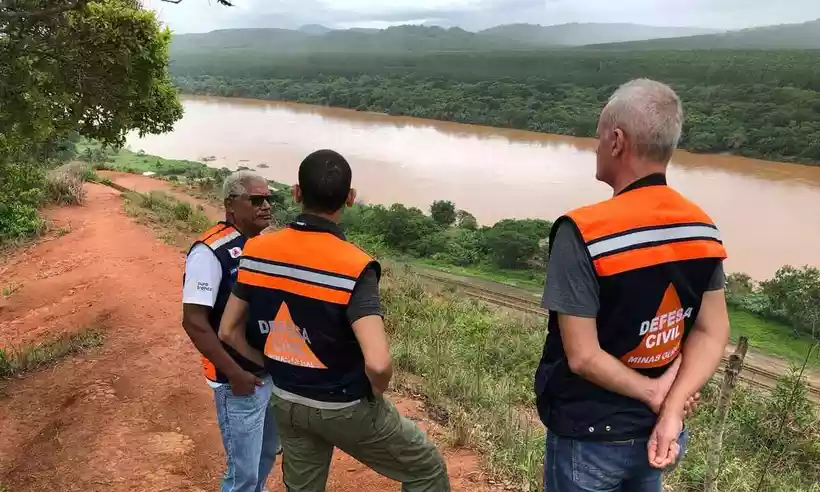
(242, 391)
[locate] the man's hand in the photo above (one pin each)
(244, 383)
(663, 446)
(691, 405)
(662, 386)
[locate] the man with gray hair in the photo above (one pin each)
(638, 319)
(241, 389)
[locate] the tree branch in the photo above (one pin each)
(16, 14)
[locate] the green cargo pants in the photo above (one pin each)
(372, 431)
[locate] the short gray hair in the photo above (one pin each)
(236, 183)
(650, 114)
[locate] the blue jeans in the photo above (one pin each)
(572, 465)
(249, 435)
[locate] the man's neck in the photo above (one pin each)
(635, 173)
(334, 217)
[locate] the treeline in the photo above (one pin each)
(791, 297)
(447, 235)
(756, 104)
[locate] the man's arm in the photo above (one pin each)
(702, 352)
(588, 360)
(203, 275)
(196, 324)
(372, 339)
(365, 316)
(232, 330)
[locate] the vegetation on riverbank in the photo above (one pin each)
(763, 104)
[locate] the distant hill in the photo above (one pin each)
(314, 38)
(587, 33)
(315, 29)
(784, 36)
(284, 40)
(309, 39)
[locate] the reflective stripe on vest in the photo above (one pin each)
(317, 265)
(671, 229)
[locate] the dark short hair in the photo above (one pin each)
(324, 177)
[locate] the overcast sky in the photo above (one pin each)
(206, 15)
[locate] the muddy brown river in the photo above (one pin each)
(768, 212)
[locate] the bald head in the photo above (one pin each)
(650, 115)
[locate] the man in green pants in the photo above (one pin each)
(310, 302)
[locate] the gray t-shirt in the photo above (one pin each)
(572, 287)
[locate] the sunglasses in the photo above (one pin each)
(258, 200)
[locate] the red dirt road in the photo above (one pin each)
(134, 415)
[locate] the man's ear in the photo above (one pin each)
(618, 142)
(228, 206)
(351, 197)
(297, 193)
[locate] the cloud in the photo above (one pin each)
(202, 15)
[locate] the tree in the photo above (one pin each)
(443, 212)
(100, 69)
(795, 294)
(466, 220)
(509, 248)
(94, 68)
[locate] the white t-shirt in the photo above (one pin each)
(203, 274)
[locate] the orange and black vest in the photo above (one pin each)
(226, 242)
(654, 253)
(300, 281)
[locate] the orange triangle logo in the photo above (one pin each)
(661, 336)
(288, 343)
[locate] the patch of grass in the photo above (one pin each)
(16, 362)
(477, 380)
(771, 337)
(178, 219)
(529, 280)
(11, 288)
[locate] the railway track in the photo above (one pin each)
(751, 374)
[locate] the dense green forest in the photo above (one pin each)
(763, 104)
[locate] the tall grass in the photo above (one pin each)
(164, 209)
(475, 367)
(64, 185)
(14, 362)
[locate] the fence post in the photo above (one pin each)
(733, 368)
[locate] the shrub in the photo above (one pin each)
(21, 193)
(443, 212)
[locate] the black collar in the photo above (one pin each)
(656, 179)
(314, 223)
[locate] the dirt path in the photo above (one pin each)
(134, 415)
